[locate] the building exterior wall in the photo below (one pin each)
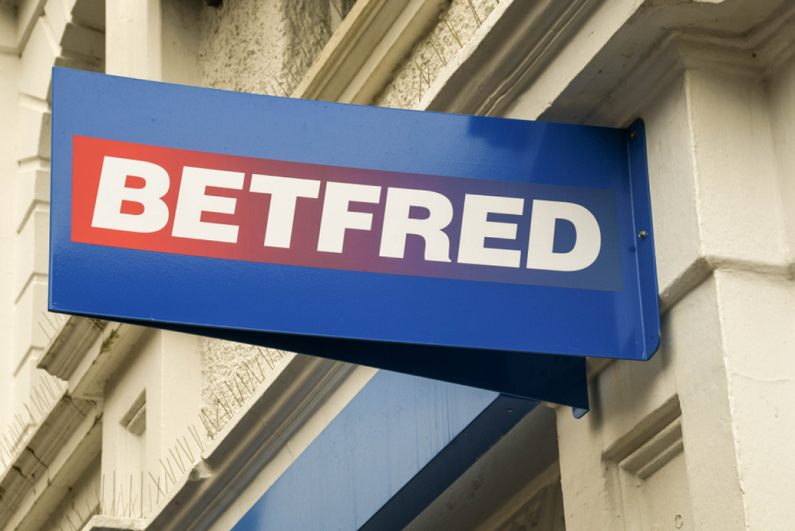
(109, 426)
(9, 73)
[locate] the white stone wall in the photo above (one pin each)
(781, 102)
(242, 47)
(9, 72)
(231, 373)
(43, 34)
(263, 47)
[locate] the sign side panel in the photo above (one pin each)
(646, 264)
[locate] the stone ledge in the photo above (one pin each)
(108, 523)
(33, 466)
(72, 341)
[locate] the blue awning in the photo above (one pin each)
(390, 452)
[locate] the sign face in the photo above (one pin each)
(414, 241)
(143, 197)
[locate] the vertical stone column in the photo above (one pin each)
(31, 211)
(155, 40)
(697, 438)
(744, 201)
(9, 78)
(132, 29)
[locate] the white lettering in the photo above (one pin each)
(285, 192)
(398, 224)
(542, 237)
(336, 216)
(475, 228)
(112, 192)
(193, 201)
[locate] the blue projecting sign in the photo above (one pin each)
(490, 252)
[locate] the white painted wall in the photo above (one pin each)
(165, 367)
(781, 102)
(31, 260)
(9, 75)
(254, 63)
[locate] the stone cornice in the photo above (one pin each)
(101, 359)
(519, 55)
(29, 479)
(17, 23)
(362, 54)
(71, 342)
(657, 43)
(86, 352)
(514, 45)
